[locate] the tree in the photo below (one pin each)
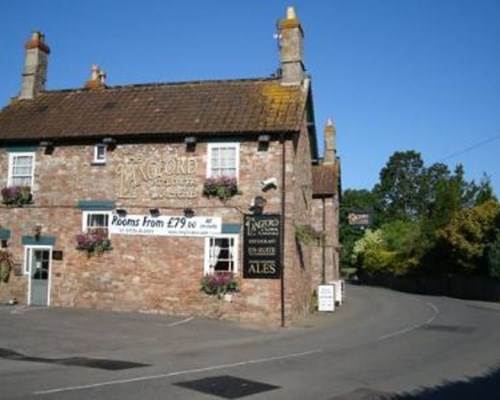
(485, 191)
(352, 199)
(399, 191)
(494, 258)
(465, 240)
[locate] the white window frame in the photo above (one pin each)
(236, 251)
(104, 148)
(212, 146)
(85, 217)
(11, 166)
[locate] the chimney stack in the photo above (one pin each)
(291, 37)
(35, 66)
(97, 78)
(330, 137)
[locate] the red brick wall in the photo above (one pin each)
(159, 274)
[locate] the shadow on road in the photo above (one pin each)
(485, 387)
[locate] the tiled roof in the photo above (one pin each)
(205, 108)
(325, 180)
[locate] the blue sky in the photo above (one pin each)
(418, 75)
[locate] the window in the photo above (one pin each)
(223, 159)
(221, 254)
(21, 169)
(100, 154)
(95, 220)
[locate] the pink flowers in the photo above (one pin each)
(16, 196)
(94, 240)
(222, 187)
(219, 283)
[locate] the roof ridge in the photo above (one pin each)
(162, 84)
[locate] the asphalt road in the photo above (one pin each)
(379, 345)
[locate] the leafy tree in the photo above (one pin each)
(466, 238)
(494, 258)
(485, 191)
(399, 191)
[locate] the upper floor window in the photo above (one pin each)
(223, 159)
(21, 169)
(100, 154)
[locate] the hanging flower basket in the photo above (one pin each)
(6, 265)
(219, 284)
(222, 187)
(93, 241)
(16, 196)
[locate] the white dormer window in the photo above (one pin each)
(100, 154)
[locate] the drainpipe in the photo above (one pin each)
(282, 244)
(323, 240)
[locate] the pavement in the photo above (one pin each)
(379, 344)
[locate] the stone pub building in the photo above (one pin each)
(125, 197)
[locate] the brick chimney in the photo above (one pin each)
(35, 66)
(291, 37)
(97, 78)
(330, 137)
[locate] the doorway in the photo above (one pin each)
(38, 266)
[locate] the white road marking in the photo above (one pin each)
(180, 322)
(413, 327)
(177, 373)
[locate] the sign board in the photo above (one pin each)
(359, 219)
(261, 246)
(326, 298)
(164, 225)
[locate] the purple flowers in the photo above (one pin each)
(16, 196)
(222, 187)
(94, 240)
(219, 283)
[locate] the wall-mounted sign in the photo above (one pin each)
(159, 177)
(165, 225)
(57, 255)
(261, 246)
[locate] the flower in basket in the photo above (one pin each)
(94, 240)
(219, 283)
(6, 264)
(222, 187)
(16, 196)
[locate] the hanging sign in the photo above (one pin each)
(261, 246)
(164, 225)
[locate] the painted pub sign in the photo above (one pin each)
(261, 246)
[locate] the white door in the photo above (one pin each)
(39, 271)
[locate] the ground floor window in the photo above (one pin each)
(95, 220)
(221, 254)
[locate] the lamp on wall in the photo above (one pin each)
(263, 141)
(48, 145)
(189, 212)
(257, 205)
(37, 231)
(154, 212)
(190, 142)
(109, 142)
(121, 212)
